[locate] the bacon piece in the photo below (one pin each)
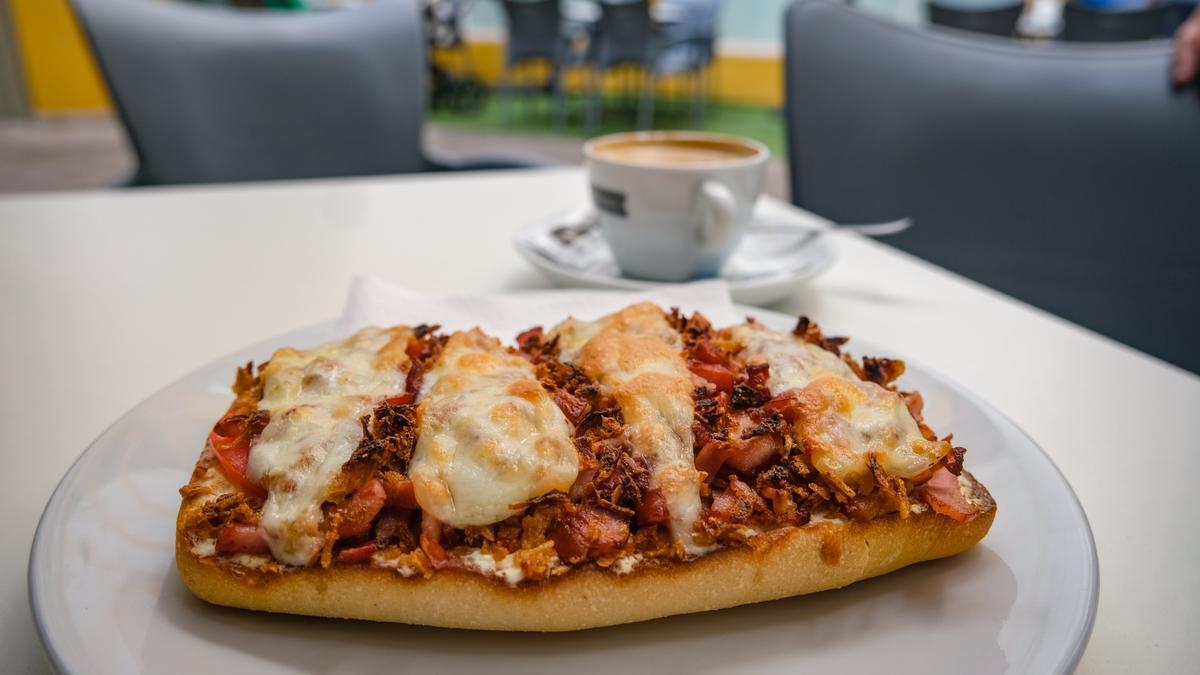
(354, 517)
(357, 554)
(867, 507)
(736, 503)
(570, 538)
(653, 508)
(745, 396)
(750, 454)
(582, 484)
(883, 371)
(757, 375)
(916, 404)
(529, 339)
(417, 349)
(431, 536)
(399, 491)
(745, 455)
(809, 331)
(573, 407)
(719, 375)
(944, 496)
(240, 538)
(787, 404)
(954, 460)
(712, 457)
(395, 527)
(621, 479)
(403, 399)
(588, 532)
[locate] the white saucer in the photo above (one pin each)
(771, 262)
(106, 597)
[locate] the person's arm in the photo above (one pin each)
(1186, 64)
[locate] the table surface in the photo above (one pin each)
(108, 296)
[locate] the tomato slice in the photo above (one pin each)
(232, 448)
(706, 351)
(717, 374)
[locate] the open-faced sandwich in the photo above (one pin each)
(639, 465)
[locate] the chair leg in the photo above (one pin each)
(593, 107)
(646, 105)
(506, 93)
(558, 78)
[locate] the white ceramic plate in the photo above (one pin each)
(766, 267)
(106, 597)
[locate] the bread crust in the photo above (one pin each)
(791, 561)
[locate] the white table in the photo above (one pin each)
(107, 296)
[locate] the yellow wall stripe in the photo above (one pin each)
(58, 66)
(735, 78)
(62, 77)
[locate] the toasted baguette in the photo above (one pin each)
(792, 561)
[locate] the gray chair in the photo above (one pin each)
(214, 94)
(534, 36)
(1065, 175)
(684, 48)
(1084, 24)
(622, 37)
(1001, 21)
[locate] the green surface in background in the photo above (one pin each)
(534, 114)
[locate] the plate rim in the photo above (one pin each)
(1066, 664)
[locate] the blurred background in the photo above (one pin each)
(1049, 149)
(523, 77)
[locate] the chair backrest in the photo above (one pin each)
(623, 35)
(697, 21)
(1000, 21)
(1065, 175)
(701, 14)
(1084, 24)
(533, 30)
(212, 94)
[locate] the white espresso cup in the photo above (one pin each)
(673, 204)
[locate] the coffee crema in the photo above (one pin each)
(672, 151)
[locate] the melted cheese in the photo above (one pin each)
(644, 318)
(316, 398)
(491, 436)
(843, 420)
(635, 355)
(793, 362)
(507, 569)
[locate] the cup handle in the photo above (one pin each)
(717, 224)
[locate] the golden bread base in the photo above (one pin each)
(795, 561)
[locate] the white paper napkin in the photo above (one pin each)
(375, 302)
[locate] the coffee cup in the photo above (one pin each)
(673, 204)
